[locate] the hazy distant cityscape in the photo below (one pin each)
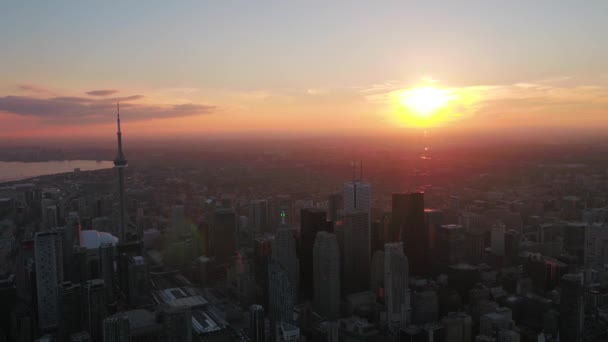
(280, 245)
(304, 171)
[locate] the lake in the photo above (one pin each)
(10, 171)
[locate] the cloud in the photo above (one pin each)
(102, 92)
(82, 110)
(34, 88)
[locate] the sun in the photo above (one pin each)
(423, 102)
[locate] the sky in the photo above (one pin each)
(196, 68)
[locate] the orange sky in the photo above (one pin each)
(289, 68)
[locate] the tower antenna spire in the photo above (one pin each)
(361, 171)
(120, 163)
(118, 115)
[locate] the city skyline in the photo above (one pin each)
(225, 69)
(246, 214)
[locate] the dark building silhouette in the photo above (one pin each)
(433, 218)
(177, 324)
(262, 249)
(138, 287)
(312, 221)
(222, 234)
(571, 308)
(8, 298)
(335, 203)
(94, 308)
(256, 323)
(116, 328)
(451, 245)
(408, 225)
(70, 308)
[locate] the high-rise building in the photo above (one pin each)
(257, 327)
(498, 239)
(108, 272)
(177, 324)
(281, 294)
(120, 163)
(451, 245)
(408, 223)
(335, 203)
(571, 307)
(356, 252)
(262, 249)
(396, 285)
(70, 308)
(377, 274)
(425, 307)
(327, 275)
(49, 274)
(312, 221)
(284, 253)
(457, 327)
(379, 231)
(94, 307)
(70, 237)
(116, 328)
(357, 196)
(51, 217)
(433, 219)
(138, 281)
(259, 216)
(179, 224)
(222, 234)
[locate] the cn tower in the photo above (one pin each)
(120, 163)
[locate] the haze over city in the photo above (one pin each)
(304, 171)
(308, 68)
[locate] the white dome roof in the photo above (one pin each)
(92, 239)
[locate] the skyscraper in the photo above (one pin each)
(256, 323)
(357, 196)
(222, 234)
(312, 221)
(498, 239)
(571, 307)
(377, 273)
(116, 328)
(262, 249)
(281, 294)
(49, 274)
(177, 324)
(335, 202)
(356, 252)
(70, 308)
(396, 285)
(457, 327)
(138, 281)
(70, 238)
(94, 307)
(284, 253)
(120, 163)
(327, 275)
(433, 219)
(259, 216)
(451, 245)
(178, 221)
(108, 272)
(409, 227)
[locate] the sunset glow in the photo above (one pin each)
(266, 70)
(424, 102)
